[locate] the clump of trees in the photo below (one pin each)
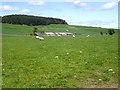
(31, 20)
(36, 32)
(111, 31)
(101, 33)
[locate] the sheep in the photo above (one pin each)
(73, 36)
(37, 37)
(40, 38)
(87, 35)
(67, 30)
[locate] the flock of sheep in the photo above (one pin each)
(41, 38)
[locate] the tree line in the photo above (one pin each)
(110, 32)
(31, 20)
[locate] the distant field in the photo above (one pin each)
(59, 62)
(80, 30)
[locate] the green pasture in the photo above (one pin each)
(59, 62)
(79, 30)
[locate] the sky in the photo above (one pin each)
(96, 13)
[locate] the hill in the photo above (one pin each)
(78, 30)
(31, 20)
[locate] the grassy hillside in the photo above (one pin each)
(59, 62)
(18, 29)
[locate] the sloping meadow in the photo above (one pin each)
(59, 62)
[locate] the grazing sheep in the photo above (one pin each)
(73, 36)
(37, 37)
(40, 38)
(87, 35)
(67, 30)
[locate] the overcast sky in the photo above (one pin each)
(75, 12)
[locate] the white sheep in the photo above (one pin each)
(67, 30)
(37, 37)
(73, 36)
(40, 38)
(87, 35)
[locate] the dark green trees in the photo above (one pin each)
(101, 33)
(31, 20)
(111, 31)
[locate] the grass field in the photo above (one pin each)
(59, 62)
